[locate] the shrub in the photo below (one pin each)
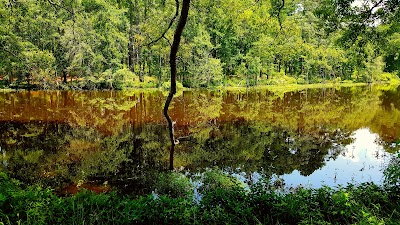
(387, 77)
(216, 179)
(166, 86)
(301, 80)
(173, 185)
(125, 78)
(392, 172)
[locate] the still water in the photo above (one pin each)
(309, 137)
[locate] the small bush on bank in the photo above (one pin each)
(387, 77)
(166, 86)
(173, 185)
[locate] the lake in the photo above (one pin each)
(119, 139)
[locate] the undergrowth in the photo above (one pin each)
(223, 201)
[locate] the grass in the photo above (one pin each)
(220, 204)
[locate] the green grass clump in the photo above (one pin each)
(224, 200)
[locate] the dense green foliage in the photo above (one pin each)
(125, 43)
(224, 200)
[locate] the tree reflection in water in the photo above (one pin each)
(119, 138)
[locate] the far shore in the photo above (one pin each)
(275, 87)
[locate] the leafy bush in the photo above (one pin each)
(216, 179)
(149, 82)
(233, 82)
(121, 79)
(173, 185)
(279, 79)
(301, 80)
(392, 172)
(387, 77)
(125, 78)
(166, 86)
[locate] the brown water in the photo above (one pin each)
(308, 137)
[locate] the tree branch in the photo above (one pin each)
(279, 13)
(60, 6)
(369, 12)
(14, 55)
(167, 40)
(169, 25)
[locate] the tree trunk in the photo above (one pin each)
(279, 65)
(172, 63)
(64, 76)
(131, 54)
(139, 61)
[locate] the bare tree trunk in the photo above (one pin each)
(172, 63)
(131, 54)
(64, 76)
(139, 62)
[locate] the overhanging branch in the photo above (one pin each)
(279, 13)
(169, 25)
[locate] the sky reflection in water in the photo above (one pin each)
(362, 161)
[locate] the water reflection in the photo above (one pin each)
(3, 152)
(316, 136)
(361, 161)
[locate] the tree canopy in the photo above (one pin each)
(125, 43)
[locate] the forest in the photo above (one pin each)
(115, 44)
(74, 151)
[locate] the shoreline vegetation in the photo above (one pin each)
(152, 85)
(221, 199)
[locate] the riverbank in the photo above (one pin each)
(298, 87)
(223, 201)
(165, 87)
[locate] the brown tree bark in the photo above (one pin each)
(172, 63)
